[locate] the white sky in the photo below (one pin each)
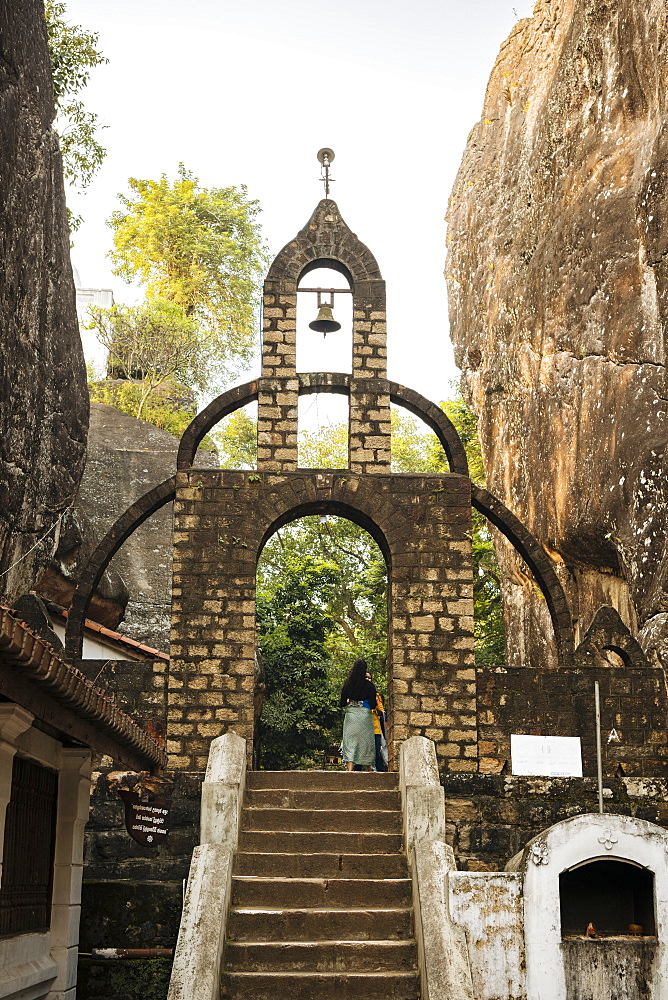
(247, 91)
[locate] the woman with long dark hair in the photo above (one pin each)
(358, 698)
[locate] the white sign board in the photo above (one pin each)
(546, 756)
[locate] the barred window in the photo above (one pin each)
(27, 861)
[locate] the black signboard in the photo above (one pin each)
(146, 822)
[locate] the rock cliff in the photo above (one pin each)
(44, 400)
(558, 283)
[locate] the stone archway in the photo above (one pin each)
(422, 524)
(221, 518)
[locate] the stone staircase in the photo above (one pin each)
(321, 894)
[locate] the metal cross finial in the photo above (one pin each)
(325, 157)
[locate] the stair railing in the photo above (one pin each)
(199, 949)
(445, 972)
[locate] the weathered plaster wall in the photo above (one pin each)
(44, 411)
(558, 284)
(622, 969)
(489, 907)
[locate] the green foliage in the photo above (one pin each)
(413, 450)
(356, 603)
(236, 441)
(153, 343)
(466, 425)
(326, 448)
(200, 249)
(300, 710)
(73, 52)
(128, 395)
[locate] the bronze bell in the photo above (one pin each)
(324, 321)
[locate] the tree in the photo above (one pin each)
(236, 441)
(300, 712)
(73, 52)
(200, 249)
(356, 602)
(151, 344)
(326, 448)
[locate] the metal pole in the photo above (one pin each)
(599, 765)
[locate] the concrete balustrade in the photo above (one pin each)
(199, 948)
(443, 957)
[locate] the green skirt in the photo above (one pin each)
(359, 742)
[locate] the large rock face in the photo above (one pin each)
(43, 395)
(558, 282)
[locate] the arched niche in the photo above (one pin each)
(564, 967)
(615, 896)
(338, 509)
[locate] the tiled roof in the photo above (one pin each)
(117, 637)
(36, 661)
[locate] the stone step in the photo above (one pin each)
(324, 820)
(336, 893)
(320, 986)
(324, 780)
(320, 956)
(312, 798)
(322, 865)
(295, 842)
(310, 924)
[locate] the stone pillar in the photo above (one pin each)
(431, 666)
(278, 389)
(73, 805)
(369, 441)
(212, 656)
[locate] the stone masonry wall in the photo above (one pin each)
(223, 518)
(561, 703)
(370, 431)
(324, 241)
(490, 818)
(278, 390)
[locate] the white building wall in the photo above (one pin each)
(42, 966)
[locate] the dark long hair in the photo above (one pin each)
(356, 684)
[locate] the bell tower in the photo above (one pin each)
(325, 241)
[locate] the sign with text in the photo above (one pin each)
(546, 756)
(146, 822)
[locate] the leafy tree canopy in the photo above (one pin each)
(74, 53)
(300, 712)
(153, 343)
(200, 249)
(356, 601)
(236, 441)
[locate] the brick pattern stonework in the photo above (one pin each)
(422, 523)
(278, 389)
(561, 703)
(325, 240)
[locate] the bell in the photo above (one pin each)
(324, 321)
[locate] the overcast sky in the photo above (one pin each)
(247, 91)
